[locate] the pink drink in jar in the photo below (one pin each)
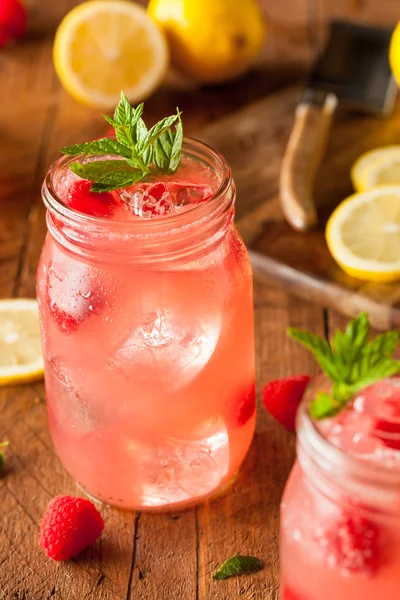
(340, 514)
(147, 325)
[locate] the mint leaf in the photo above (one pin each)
(348, 345)
(96, 169)
(236, 565)
(102, 146)
(319, 347)
(124, 112)
(323, 405)
(162, 149)
(176, 151)
(155, 132)
(115, 180)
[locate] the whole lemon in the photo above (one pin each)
(211, 40)
(394, 53)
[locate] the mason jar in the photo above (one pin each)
(148, 342)
(340, 512)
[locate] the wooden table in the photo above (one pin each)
(142, 556)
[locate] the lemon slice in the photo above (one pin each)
(379, 166)
(363, 234)
(20, 346)
(105, 46)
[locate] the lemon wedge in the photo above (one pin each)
(20, 346)
(105, 46)
(363, 234)
(379, 166)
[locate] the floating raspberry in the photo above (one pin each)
(282, 397)
(12, 21)
(69, 525)
(96, 204)
(244, 405)
(352, 544)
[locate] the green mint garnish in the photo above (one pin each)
(236, 565)
(2, 461)
(350, 361)
(143, 152)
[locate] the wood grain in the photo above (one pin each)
(160, 557)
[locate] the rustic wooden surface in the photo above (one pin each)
(140, 556)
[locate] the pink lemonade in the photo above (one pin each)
(147, 323)
(340, 514)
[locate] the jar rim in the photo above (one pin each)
(338, 462)
(192, 147)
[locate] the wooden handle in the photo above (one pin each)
(302, 158)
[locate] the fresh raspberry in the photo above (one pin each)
(69, 525)
(12, 20)
(282, 397)
(352, 544)
(244, 405)
(80, 198)
(388, 432)
(156, 201)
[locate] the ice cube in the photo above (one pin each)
(176, 470)
(150, 200)
(189, 193)
(72, 294)
(168, 348)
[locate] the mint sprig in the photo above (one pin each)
(141, 152)
(350, 361)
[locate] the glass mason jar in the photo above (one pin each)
(340, 521)
(148, 342)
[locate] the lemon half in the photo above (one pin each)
(105, 46)
(379, 166)
(363, 234)
(20, 345)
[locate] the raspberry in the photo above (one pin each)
(244, 406)
(80, 198)
(12, 20)
(282, 397)
(388, 432)
(352, 544)
(69, 525)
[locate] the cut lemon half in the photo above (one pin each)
(363, 234)
(379, 166)
(103, 47)
(20, 346)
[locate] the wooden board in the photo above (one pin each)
(253, 141)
